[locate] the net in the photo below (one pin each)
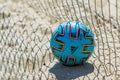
(26, 28)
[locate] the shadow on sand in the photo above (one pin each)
(68, 73)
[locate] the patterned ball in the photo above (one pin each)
(72, 43)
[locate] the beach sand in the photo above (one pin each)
(26, 28)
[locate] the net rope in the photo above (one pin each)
(26, 28)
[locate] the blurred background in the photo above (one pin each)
(26, 28)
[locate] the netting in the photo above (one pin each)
(26, 28)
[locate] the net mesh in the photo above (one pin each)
(26, 28)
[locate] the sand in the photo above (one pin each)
(25, 31)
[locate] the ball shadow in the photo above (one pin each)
(68, 73)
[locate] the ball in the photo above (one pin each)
(72, 43)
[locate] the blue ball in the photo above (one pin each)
(72, 43)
